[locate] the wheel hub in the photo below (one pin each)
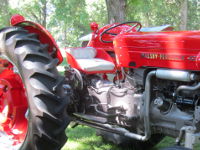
(13, 106)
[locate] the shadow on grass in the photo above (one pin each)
(85, 138)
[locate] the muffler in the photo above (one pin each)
(176, 75)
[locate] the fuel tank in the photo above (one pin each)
(174, 49)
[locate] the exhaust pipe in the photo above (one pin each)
(179, 75)
(176, 75)
(183, 88)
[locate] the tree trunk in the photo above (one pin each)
(146, 19)
(183, 12)
(40, 15)
(44, 13)
(116, 10)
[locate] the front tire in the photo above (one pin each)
(46, 112)
(128, 143)
(176, 148)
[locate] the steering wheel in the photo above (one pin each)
(135, 25)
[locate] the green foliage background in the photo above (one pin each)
(68, 20)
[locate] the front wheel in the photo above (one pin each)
(33, 103)
(128, 143)
(176, 148)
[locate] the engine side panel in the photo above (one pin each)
(175, 50)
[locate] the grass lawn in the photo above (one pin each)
(84, 138)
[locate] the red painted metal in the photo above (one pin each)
(174, 50)
(44, 35)
(16, 19)
(13, 106)
(100, 54)
(95, 41)
(171, 49)
(108, 47)
(94, 27)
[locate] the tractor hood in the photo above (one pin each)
(174, 49)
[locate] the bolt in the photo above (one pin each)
(158, 101)
(5, 88)
(5, 64)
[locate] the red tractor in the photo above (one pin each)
(134, 87)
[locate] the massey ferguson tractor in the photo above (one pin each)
(134, 87)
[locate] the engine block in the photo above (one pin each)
(122, 104)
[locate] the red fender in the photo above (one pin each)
(44, 35)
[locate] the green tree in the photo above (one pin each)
(68, 20)
(72, 20)
(5, 13)
(35, 10)
(193, 15)
(97, 12)
(183, 14)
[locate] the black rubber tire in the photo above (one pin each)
(130, 144)
(47, 117)
(176, 148)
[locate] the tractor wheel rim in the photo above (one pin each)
(13, 107)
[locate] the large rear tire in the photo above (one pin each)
(46, 112)
(130, 144)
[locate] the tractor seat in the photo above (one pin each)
(90, 60)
